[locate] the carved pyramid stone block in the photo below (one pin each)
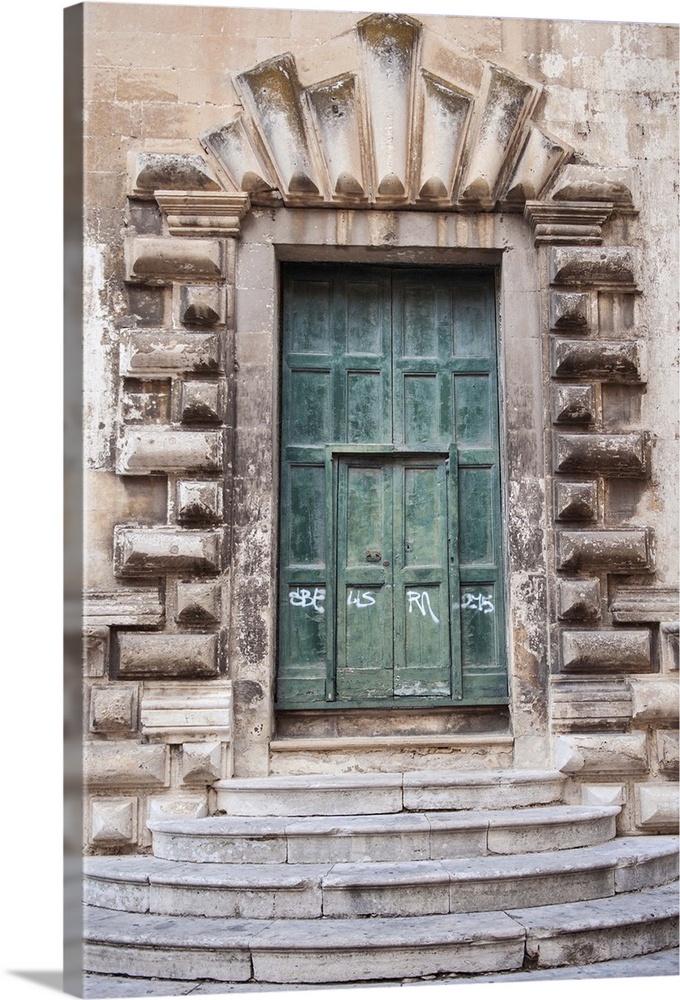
(202, 402)
(573, 404)
(198, 603)
(199, 501)
(576, 501)
(570, 311)
(200, 305)
(579, 600)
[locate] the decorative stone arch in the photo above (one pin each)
(415, 153)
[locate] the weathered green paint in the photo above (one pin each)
(390, 571)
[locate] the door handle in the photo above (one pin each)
(373, 555)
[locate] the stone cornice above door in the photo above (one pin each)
(391, 133)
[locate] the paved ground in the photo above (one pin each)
(662, 963)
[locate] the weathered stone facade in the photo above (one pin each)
(222, 142)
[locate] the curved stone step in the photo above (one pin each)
(361, 794)
(385, 889)
(391, 837)
(333, 950)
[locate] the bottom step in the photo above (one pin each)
(370, 949)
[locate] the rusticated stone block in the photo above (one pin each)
(198, 603)
(656, 806)
(180, 713)
(607, 650)
(610, 267)
(573, 404)
(579, 600)
(145, 217)
(202, 763)
(621, 456)
(153, 551)
(668, 751)
(113, 708)
(146, 401)
(127, 607)
(575, 501)
(199, 501)
(96, 650)
(646, 604)
(570, 311)
(177, 805)
(655, 700)
(146, 654)
(158, 259)
(150, 172)
(126, 763)
(606, 360)
(113, 821)
(584, 182)
(603, 795)
(168, 352)
(202, 402)
(587, 704)
(601, 753)
(670, 647)
(627, 550)
(146, 451)
(201, 305)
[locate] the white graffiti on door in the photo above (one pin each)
(420, 600)
(302, 598)
(365, 600)
(477, 602)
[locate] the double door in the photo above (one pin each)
(390, 561)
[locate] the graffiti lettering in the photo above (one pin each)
(420, 600)
(477, 602)
(302, 598)
(367, 602)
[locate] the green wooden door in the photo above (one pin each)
(390, 557)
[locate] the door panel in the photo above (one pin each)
(421, 575)
(364, 584)
(390, 581)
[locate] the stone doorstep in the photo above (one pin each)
(431, 836)
(412, 888)
(634, 924)
(385, 792)
(346, 950)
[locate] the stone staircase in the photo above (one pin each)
(359, 878)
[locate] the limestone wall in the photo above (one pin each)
(568, 189)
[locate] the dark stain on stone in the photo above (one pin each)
(248, 692)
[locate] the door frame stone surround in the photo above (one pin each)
(576, 640)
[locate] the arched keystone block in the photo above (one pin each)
(621, 456)
(160, 449)
(153, 551)
(608, 360)
(159, 654)
(606, 650)
(624, 551)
